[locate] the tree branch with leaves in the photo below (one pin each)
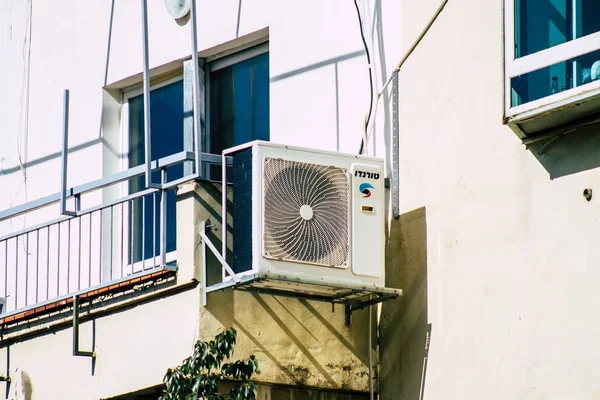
(199, 375)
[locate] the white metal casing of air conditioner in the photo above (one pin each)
(366, 216)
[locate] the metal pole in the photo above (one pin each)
(204, 266)
(196, 91)
(76, 351)
(395, 148)
(65, 150)
(212, 248)
(26, 267)
(147, 132)
(224, 206)
(163, 220)
(75, 325)
(370, 335)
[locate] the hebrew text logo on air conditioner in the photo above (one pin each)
(365, 189)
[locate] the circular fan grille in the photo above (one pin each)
(306, 211)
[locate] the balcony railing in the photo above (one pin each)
(90, 248)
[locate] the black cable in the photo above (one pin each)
(362, 35)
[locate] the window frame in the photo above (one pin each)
(514, 67)
(212, 63)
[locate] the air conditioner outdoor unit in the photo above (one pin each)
(307, 214)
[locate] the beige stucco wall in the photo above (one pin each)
(495, 247)
(295, 341)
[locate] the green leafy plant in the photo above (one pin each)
(199, 375)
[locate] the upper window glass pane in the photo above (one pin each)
(166, 113)
(541, 24)
(239, 105)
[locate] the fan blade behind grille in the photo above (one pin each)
(317, 234)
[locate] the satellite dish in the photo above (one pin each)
(178, 8)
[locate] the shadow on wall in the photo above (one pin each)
(288, 335)
(404, 328)
(335, 61)
(570, 153)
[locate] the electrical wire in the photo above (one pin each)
(368, 118)
(23, 128)
(373, 113)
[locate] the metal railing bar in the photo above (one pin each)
(79, 254)
(84, 291)
(215, 159)
(176, 182)
(64, 155)
(216, 253)
(48, 263)
(33, 228)
(131, 232)
(122, 255)
(30, 206)
(110, 271)
(146, 84)
(197, 113)
(58, 262)
(97, 184)
(143, 255)
(16, 270)
(154, 228)
(163, 220)
(37, 265)
(168, 161)
(84, 212)
(133, 172)
(90, 252)
(26, 267)
(117, 201)
(68, 255)
(5, 272)
(101, 222)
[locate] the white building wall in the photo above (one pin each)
(495, 246)
(85, 47)
(318, 97)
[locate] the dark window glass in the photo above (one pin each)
(166, 109)
(555, 78)
(239, 105)
(541, 24)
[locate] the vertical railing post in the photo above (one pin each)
(65, 151)
(198, 111)
(147, 131)
(224, 206)
(163, 219)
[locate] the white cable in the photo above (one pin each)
(403, 60)
(374, 71)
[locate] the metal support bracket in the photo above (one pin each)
(395, 148)
(350, 307)
(207, 243)
(76, 351)
(64, 155)
(6, 378)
